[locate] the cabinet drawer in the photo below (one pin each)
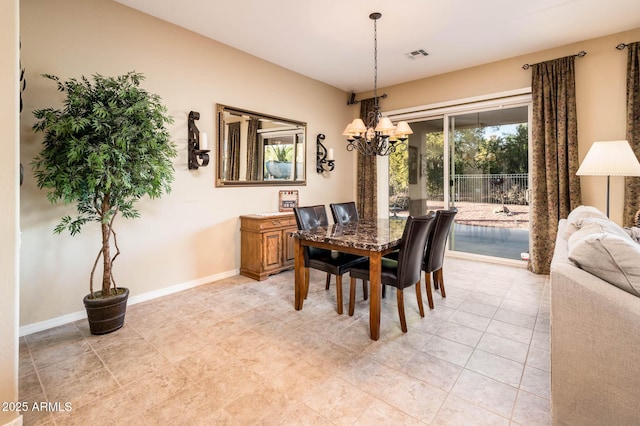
(274, 223)
(266, 223)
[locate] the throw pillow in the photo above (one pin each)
(609, 257)
(577, 214)
(596, 225)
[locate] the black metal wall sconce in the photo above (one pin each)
(324, 157)
(196, 144)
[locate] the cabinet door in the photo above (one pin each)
(288, 252)
(271, 250)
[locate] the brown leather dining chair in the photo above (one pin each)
(405, 271)
(344, 213)
(331, 262)
(434, 253)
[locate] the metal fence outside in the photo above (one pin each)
(494, 188)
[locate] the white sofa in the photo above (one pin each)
(595, 328)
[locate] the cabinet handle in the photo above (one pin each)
(275, 222)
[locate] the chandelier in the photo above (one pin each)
(379, 136)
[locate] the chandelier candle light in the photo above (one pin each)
(379, 136)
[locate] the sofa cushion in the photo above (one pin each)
(609, 256)
(579, 213)
(596, 225)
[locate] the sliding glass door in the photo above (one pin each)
(489, 181)
(482, 156)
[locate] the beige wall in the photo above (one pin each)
(600, 93)
(193, 233)
(9, 207)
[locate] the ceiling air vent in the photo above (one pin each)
(417, 54)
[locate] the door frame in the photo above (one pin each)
(445, 110)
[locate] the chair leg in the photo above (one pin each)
(441, 282)
(403, 320)
(436, 284)
(365, 287)
(306, 282)
(352, 296)
(427, 283)
(384, 291)
(419, 297)
(339, 293)
(326, 287)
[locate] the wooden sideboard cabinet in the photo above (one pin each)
(266, 246)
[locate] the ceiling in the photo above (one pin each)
(332, 40)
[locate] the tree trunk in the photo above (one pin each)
(106, 254)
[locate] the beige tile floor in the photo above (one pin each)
(236, 352)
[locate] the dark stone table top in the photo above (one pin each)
(372, 235)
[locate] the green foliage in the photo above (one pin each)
(477, 154)
(104, 150)
(434, 165)
(283, 153)
(512, 151)
(467, 143)
(399, 173)
(474, 153)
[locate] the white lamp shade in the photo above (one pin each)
(357, 125)
(348, 131)
(403, 128)
(610, 158)
(385, 125)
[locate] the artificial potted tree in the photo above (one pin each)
(104, 150)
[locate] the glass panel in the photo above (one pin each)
(489, 182)
(278, 157)
(416, 175)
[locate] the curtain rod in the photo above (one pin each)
(352, 99)
(580, 54)
(622, 46)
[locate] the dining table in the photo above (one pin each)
(372, 238)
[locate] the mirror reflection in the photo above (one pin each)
(259, 149)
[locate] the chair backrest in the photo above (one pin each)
(344, 213)
(311, 217)
(414, 239)
(437, 242)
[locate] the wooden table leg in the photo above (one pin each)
(375, 266)
(298, 254)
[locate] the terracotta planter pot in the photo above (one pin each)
(106, 315)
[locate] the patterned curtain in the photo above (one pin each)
(632, 184)
(554, 184)
(254, 167)
(232, 159)
(367, 199)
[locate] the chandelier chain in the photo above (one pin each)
(378, 136)
(375, 62)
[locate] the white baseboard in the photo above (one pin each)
(75, 316)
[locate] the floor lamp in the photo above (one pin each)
(610, 158)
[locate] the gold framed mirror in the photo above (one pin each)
(255, 149)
